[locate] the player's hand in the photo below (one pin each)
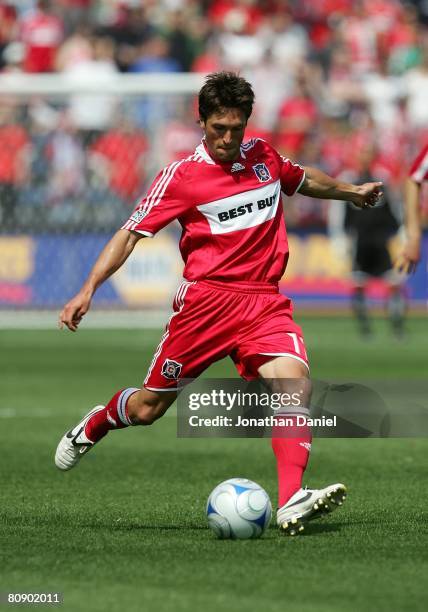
(73, 311)
(368, 195)
(409, 257)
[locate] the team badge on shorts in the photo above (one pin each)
(262, 172)
(171, 369)
(138, 215)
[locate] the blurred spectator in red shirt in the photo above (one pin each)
(297, 117)
(119, 155)
(8, 28)
(13, 163)
(42, 33)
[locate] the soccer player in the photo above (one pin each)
(227, 198)
(370, 232)
(409, 257)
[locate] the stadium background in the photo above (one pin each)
(81, 137)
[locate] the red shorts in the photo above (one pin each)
(250, 322)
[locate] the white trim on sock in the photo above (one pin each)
(121, 404)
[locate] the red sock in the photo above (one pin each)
(114, 416)
(291, 446)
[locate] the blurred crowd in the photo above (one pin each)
(331, 77)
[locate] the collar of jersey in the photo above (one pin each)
(202, 150)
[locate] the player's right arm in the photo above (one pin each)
(111, 258)
(167, 198)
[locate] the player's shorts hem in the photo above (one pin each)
(162, 389)
(287, 355)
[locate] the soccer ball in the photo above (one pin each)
(238, 509)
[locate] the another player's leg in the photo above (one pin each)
(291, 445)
(131, 406)
(359, 308)
(364, 266)
(396, 307)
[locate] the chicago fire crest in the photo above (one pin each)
(171, 369)
(262, 172)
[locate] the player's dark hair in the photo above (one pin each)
(224, 90)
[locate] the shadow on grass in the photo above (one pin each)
(144, 527)
(313, 528)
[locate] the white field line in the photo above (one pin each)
(37, 413)
(96, 319)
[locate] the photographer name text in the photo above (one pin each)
(267, 421)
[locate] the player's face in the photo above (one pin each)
(224, 132)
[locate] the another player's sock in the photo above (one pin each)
(291, 446)
(114, 416)
(396, 310)
(359, 307)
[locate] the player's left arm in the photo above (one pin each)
(317, 184)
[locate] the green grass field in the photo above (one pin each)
(126, 530)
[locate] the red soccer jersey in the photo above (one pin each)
(13, 139)
(42, 34)
(231, 212)
(419, 169)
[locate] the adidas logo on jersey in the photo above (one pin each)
(236, 167)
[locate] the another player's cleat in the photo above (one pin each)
(308, 504)
(74, 444)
